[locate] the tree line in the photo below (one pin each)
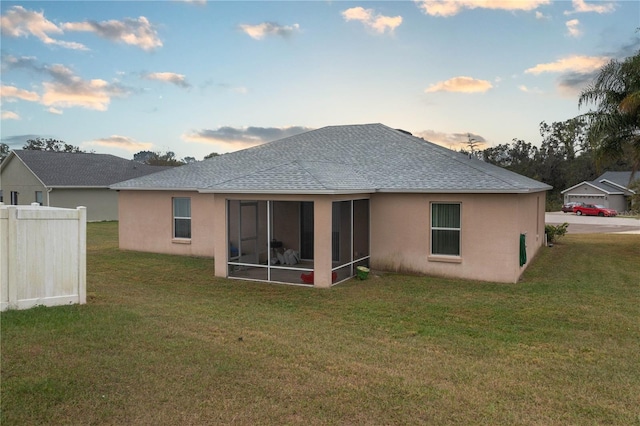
(565, 157)
(572, 151)
(154, 158)
(581, 148)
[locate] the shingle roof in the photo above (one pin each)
(619, 178)
(58, 169)
(353, 158)
(608, 188)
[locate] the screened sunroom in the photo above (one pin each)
(276, 241)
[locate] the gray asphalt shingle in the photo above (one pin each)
(366, 158)
(619, 178)
(57, 169)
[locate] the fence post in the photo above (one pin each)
(82, 255)
(12, 250)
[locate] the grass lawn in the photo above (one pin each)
(162, 341)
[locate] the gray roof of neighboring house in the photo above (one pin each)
(611, 189)
(609, 182)
(351, 158)
(619, 178)
(67, 169)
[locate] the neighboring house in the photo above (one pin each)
(339, 197)
(610, 190)
(64, 179)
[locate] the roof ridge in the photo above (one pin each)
(312, 174)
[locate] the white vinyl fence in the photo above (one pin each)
(42, 256)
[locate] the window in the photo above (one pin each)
(445, 229)
(182, 218)
(14, 198)
(39, 197)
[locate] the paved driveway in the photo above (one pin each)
(593, 224)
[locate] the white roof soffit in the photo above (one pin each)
(591, 185)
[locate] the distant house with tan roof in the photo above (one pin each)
(315, 206)
(64, 179)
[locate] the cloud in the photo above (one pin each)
(65, 90)
(121, 142)
(68, 90)
(573, 27)
(20, 22)
(447, 8)
(571, 84)
(168, 77)
(629, 49)
(235, 138)
(198, 2)
(10, 62)
(376, 22)
(240, 90)
(574, 63)
(450, 140)
(10, 115)
(525, 89)
(235, 89)
(460, 84)
(575, 72)
(53, 110)
(541, 16)
(580, 6)
(258, 32)
(11, 93)
(136, 32)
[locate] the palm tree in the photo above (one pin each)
(615, 124)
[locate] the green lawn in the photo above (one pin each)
(162, 341)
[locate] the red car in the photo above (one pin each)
(568, 208)
(594, 210)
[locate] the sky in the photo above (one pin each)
(196, 77)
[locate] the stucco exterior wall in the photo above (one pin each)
(491, 225)
(17, 177)
(490, 230)
(101, 203)
(146, 223)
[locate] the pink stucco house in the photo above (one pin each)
(329, 200)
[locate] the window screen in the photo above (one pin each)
(445, 229)
(182, 217)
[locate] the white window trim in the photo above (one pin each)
(180, 240)
(438, 257)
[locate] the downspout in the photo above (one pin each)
(48, 191)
